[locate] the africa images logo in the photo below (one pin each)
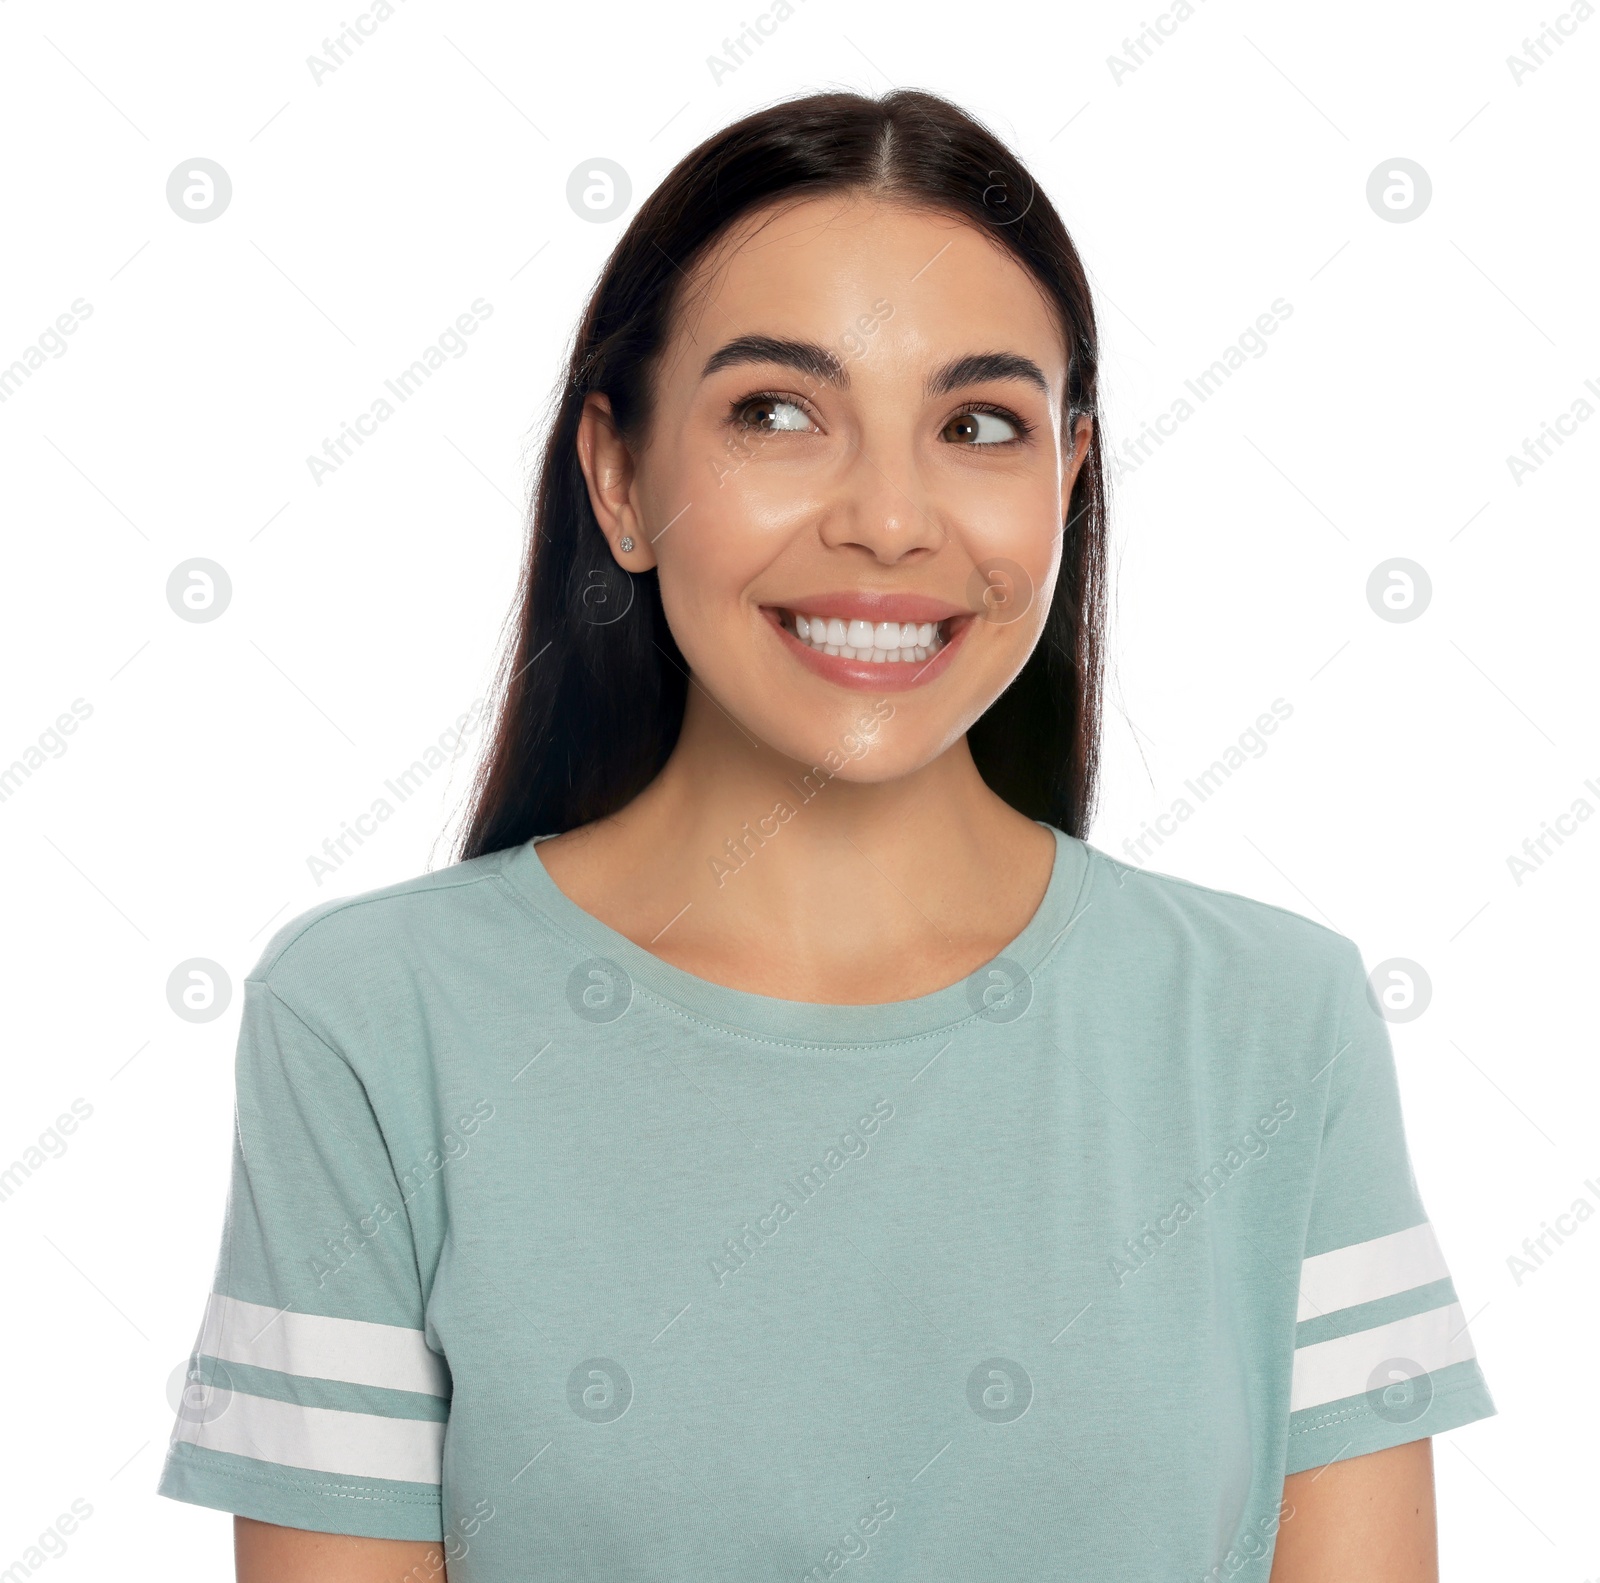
(1149, 1241)
(737, 1252)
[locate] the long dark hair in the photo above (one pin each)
(592, 686)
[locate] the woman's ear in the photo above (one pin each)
(609, 472)
(1082, 431)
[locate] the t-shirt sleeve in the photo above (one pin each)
(1382, 1354)
(313, 1399)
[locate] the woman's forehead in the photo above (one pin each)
(808, 267)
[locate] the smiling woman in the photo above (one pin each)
(818, 550)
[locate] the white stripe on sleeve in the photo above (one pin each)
(1365, 1271)
(317, 1346)
(1329, 1371)
(322, 1439)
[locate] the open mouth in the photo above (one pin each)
(875, 642)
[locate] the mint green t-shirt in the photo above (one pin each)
(588, 1268)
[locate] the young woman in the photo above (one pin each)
(780, 1140)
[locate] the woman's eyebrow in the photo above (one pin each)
(809, 358)
(806, 356)
(977, 367)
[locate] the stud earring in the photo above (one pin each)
(626, 543)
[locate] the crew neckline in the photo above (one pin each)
(772, 1019)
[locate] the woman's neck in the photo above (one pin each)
(750, 870)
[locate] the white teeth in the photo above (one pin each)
(882, 643)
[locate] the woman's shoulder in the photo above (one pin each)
(1169, 918)
(362, 947)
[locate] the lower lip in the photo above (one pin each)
(865, 676)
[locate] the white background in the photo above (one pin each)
(371, 209)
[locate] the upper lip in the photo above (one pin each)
(859, 604)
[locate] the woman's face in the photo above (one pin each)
(855, 479)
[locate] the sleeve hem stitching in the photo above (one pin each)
(271, 1482)
(1328, 1421)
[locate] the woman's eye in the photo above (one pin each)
(772, 414)
(980, 428)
